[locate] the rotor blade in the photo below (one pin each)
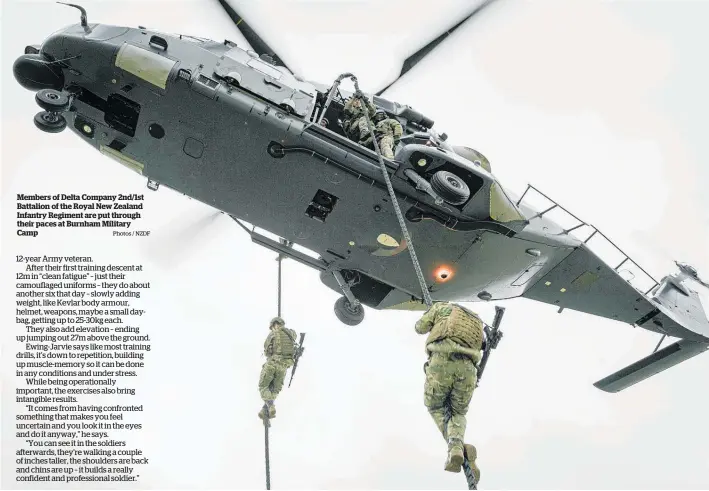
(180, 238)
(415, 58)
(251, 36)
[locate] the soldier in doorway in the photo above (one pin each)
(354, 123)
(387, 131)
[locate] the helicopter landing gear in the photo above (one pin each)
(49, 122)
(347, 308)
(54, 103)
(347, 313)
(52, 100)
(450, 187)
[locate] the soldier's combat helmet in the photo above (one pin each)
(379, 115)
(277, 320)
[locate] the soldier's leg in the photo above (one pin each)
(264, 386)
(440, 378)
(386, 145)
(461, 394)
(265, 379)
(279, 376)
(436, 390)
(363, 128)
(351, 128)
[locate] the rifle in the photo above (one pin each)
(298, 353)
(493, 336)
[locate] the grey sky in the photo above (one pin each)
(600, 105)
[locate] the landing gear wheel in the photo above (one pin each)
(347, 314)
(52, 100)
(450, 187)
(49, 122)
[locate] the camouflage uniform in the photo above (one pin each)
(387, 130)
(279, 349)
(454, 348)
(355, 124)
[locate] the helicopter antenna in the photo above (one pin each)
(84, 20)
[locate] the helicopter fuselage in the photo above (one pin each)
(199, 117)
(230, 129)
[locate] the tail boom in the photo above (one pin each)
(583, 282)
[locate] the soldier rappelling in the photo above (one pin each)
(280, 351)
(454, 347)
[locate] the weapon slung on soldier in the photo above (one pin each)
(493, 336)
(298, 353)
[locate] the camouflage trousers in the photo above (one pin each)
(386, 142)
(448, 390)
(356, 128)
(273, 374)
(361, 123)
(386, 146)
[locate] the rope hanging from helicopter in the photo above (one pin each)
(266, 420)
(266, 424)
(280, 260)
(400, 217)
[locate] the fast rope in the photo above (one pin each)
(392, 196)
(400, 217)
(280, 260)
(266, 424)
(266, 419)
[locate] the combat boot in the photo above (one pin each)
(455, 456)
(264, 410)
(271, 410)
(471, 453)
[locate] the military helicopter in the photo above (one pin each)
(236, 129)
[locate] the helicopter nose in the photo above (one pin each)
(36, 69)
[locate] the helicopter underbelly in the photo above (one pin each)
(212, 145)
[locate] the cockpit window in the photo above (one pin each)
(264, 68)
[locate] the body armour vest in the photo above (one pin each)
(460, 326)
(282, 343)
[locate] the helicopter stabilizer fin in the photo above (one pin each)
(680, 304)
(657, 362)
